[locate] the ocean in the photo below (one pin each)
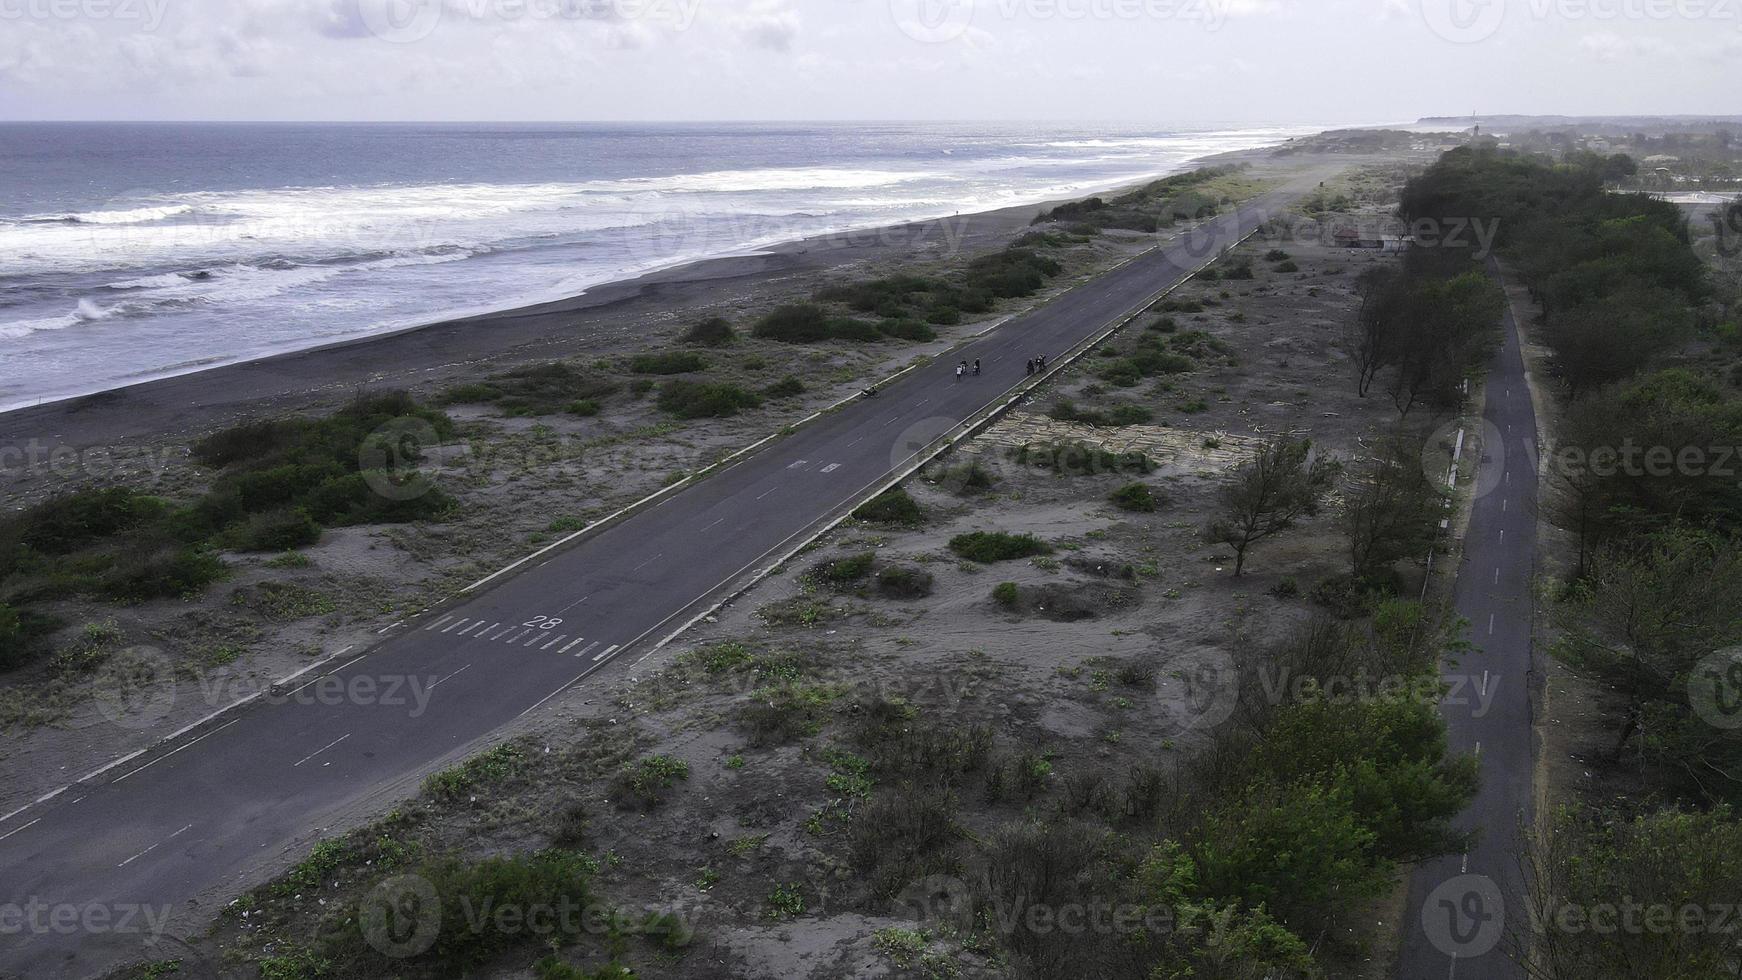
(137, 251)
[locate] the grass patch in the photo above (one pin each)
(995, 546)
(696, 400)
(893, 507)
(713, 332)
(670, 362)
(534, 389)
(1082, 459)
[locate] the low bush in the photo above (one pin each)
(646, 783)
(535, 389)
(787, 387)
(995, 546)
(712, 332)
(1007, 594)
(1276, 255)
(904, 582)
(893, 507)
(840, 572)
(696, 399)
(1082, 459)
(669, 362)
(808, 323)
(283, 529)
(1136, 497)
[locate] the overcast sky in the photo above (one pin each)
(1196, 62)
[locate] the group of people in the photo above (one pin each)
(963, 369)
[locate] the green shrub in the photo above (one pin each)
(787, 387)
(1007, 594)
(995, 546)
(585, 408)
(808, 323)
(23, 636)
(894, 507)
(1287, 267)
(669, 362)
(943, 316)
(1276, 255)
(76, 520)
(712, 332)
(907, 330)
(695, 399)
(1136, 497)
(533, 389)
(904, 582)
(844, 571)
(167, 573)
(1082, 459)
(645, 784)
(283, 529)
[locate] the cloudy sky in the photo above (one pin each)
(1162, 61)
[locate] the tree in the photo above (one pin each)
(1661, 605)
(1601, 862)
(1601, 343)
(1392, 508)
(1368, 337)
(1281, 484)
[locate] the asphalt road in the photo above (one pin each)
(184, 829)
(1467, 912)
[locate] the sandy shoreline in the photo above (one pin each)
(190, 403)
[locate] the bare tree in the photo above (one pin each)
(1392, 508)
(1281, 484)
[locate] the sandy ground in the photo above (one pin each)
(1093, 670)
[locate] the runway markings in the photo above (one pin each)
(456, 623)
(438, 622)
(572, 643)
(767, 492)
(590, 648)
(554, 642)
(605, 653)
(832, 467)
(185, 746)
(15, 830)
(798, 464)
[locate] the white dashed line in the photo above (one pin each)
(15, 830)
(438, 622)
(554, 642)
(323, 748)
(155, 846)
(516, 637)
(832, 467)
(498, 632)
(657, 557)
(604, 653)
(456, 623)
(454, 674)
(571, 644)
(189, 745)
(767, 492)
(589, 649)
